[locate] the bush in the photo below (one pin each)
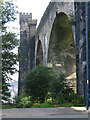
(24, 102)
(37, 82)
(70, 100)
(45, 86)
(59, 86)
(42, 105)
(49, 100)
(66, 105)
(59, 99)
(77, 99)
(17, 100)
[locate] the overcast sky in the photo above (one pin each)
(36, 7)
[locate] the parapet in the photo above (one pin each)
(34, 21)
(27, 17)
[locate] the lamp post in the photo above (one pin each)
(87, 82)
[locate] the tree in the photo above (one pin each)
(37, 82)
(9, 42)
(60, 86)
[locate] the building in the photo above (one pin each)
(27, 46)
(30, 41)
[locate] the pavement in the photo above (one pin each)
(59, 112)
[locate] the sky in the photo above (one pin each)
(36, 7)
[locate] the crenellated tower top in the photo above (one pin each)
(27, 25)
(27, 17)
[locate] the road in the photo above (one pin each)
(61, 113)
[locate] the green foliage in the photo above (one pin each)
(5, 91)
(76, 99)
(37, 82)
(9, 42)
(66, 104)
(42, 105)
(59, 99)
(48, 89)
(60, 86)
(49, 100)
(8, 107)
(7, 13)
(17, 100)
(57, 85)
(23, 101)
(70, 100)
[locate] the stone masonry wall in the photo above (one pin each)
(44, 33)
(80, 29)
(27, 46)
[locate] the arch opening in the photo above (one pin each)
(39, 56)
(61, 52)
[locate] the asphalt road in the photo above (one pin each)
(65, 113)
(45, 119)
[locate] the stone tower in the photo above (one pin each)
(27, 46)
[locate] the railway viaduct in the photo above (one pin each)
(58, 42)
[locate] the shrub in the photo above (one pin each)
(17, 100)
(24, 102)
(75, 99)
(66, 105)
(60, 86)
(44, 105)
(59, 99)
(49, 100)
(37, 82)
(36, 105)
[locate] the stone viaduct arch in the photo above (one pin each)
(39, 53)
(40, 45)
(45, 26)
(44, 34)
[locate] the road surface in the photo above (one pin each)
(63, 113)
